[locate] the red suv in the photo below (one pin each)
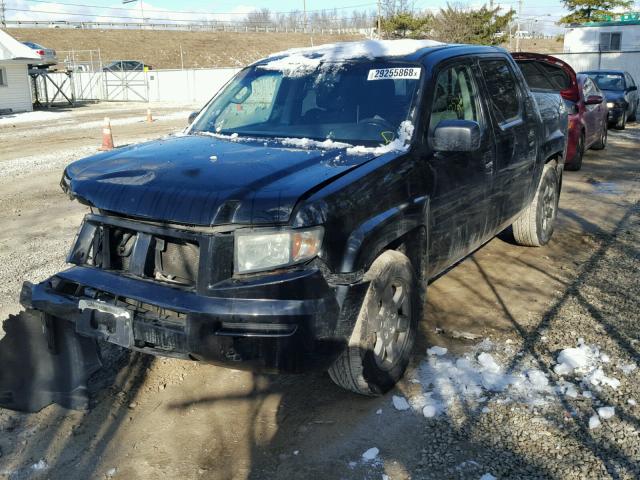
(587, 111)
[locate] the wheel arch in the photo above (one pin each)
(403, 228)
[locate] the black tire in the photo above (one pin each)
(380, 346)
(534, 227)
(602, 141)
(622, 122)
(576, 161)
(632, 117)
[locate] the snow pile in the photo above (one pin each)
(299, 61)
(309, 143)
(370, 454)
(399, 144)
(400, 403)
(446, 380)
(436, 350)
(585, 362)
(604, 413)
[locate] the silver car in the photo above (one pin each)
(47, 55)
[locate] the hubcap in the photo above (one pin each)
(549, 206)
(393, 317)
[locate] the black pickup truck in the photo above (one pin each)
(298, 220)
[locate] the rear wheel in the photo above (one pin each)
(535, 225)
(622, 122)
(602, 141)
(380, 346)
(576, 161)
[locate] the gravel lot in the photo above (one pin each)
(537, 342)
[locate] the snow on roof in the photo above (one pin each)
(12, 49)
(308, 58)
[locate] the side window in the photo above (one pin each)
(455, 96)
(629, 79)
(502, 88)
(610, 41)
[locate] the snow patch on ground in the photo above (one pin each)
(35, 116)
(400, 403)
(606, 412)
(370, 454)
(447, 380)
(585, 363)
(435, 350)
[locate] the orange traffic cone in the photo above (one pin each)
(107, 137)
(149, 117)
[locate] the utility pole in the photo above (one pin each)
(379, 20)
(3, 19)
(518, 33)
(304, 10)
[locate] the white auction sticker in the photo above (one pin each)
(394, 73)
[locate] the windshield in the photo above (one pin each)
(360, 103)
(608, 81)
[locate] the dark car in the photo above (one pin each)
(126, 66)
(621, 93)
(587, 111)
(298, 221)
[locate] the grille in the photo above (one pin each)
(163, 258)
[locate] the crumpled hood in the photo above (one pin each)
(205, 180)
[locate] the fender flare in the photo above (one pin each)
(376, 233)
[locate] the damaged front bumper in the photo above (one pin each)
(249, 327)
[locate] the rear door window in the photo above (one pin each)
(502, 88)
(455, 96)
(544, 76)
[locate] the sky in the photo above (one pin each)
(543, 12)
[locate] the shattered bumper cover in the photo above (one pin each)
(248, 327)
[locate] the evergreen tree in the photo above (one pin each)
(591, 10)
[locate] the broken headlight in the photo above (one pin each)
(260, 250)
(65, 183)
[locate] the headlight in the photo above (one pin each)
(610, 104)
(259, 250)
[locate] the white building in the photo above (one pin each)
(620, 36)
(15, 84)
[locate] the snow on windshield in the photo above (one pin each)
(298, 61)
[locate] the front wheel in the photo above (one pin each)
(632, 117)
(622, 122)
(535, 225)
(380, 346)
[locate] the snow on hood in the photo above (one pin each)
(297, 61)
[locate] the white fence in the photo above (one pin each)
(170, 86)
(628, 61)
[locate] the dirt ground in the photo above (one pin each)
(164, 418)
(161, 48)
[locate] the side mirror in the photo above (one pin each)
(593, 100)
(632, 89)
(456, 136)
(192, 117)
